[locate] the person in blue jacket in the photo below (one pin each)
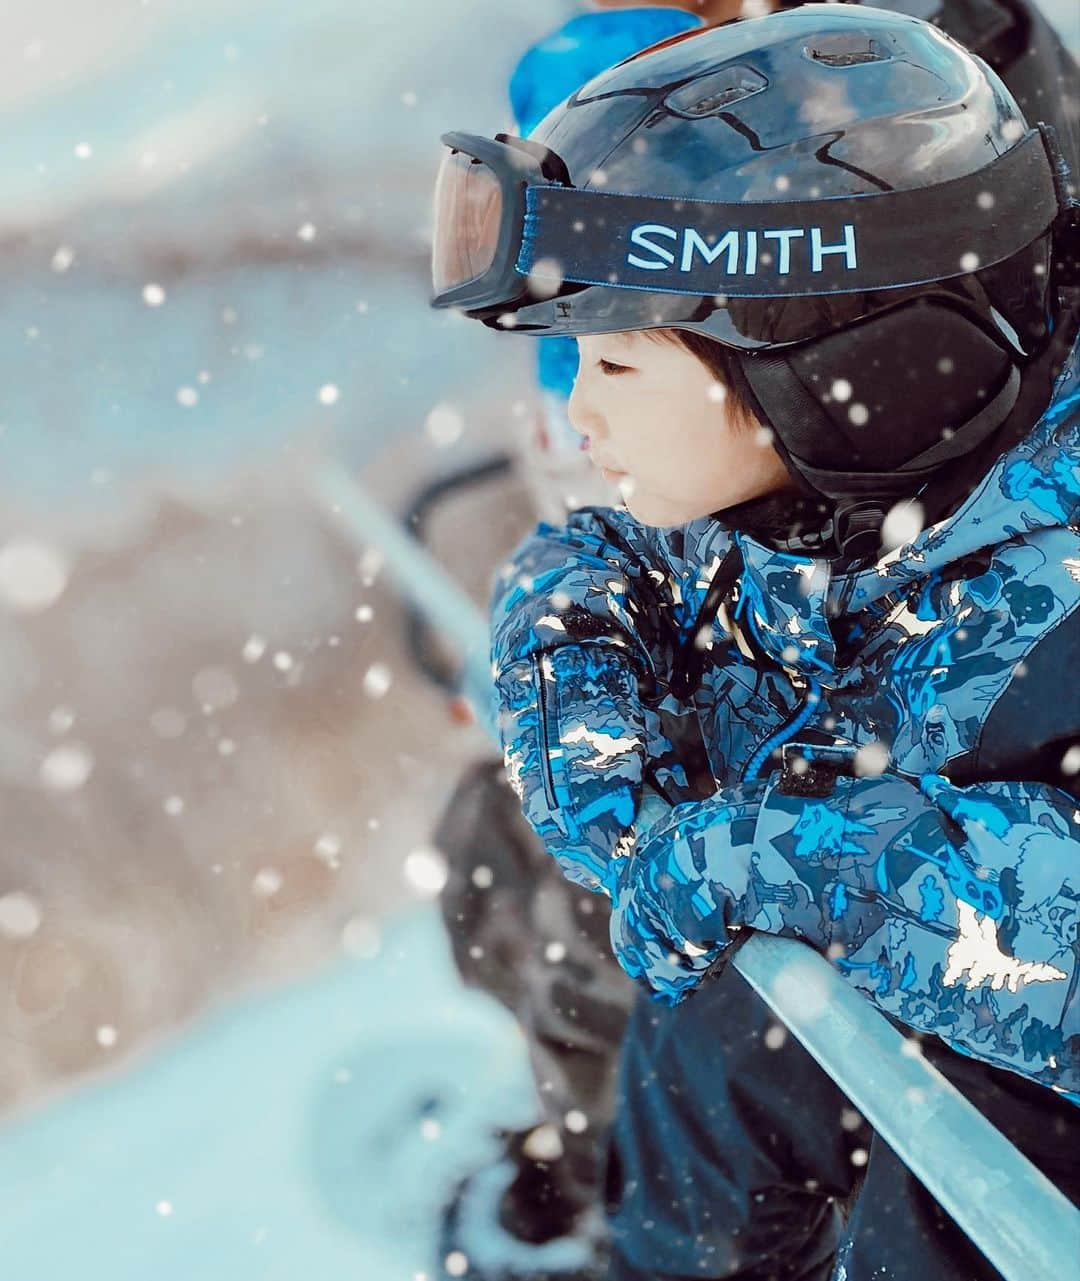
(850, 562)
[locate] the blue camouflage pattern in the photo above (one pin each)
(947, 894)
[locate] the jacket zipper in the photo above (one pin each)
(803, 713)
(541, 684)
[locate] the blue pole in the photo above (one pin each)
(1023, 1225)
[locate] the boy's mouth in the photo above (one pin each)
(610, 473)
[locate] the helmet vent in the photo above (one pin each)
(706, 95)
(845, 50)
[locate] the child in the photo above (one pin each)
(845, 409)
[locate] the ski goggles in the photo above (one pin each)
(518, 246)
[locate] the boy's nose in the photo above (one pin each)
(584, 420)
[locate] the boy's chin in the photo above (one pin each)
(660, 512)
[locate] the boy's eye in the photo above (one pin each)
(610, 367)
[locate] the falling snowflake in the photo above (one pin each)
(903, 523)
(267, 882)
(546, 278)
(20, 915)
(576, 1121)
(62, 259)
(153, 295)
(254, 649)
(67, 768)
(796, 989)
(61, 719)
(328, 848)
(444, 425)
(871, 760)
(371, 564)
(329, 394)
(775, 1036)
(543, 1144)
(425, 870)
(377, 680)
(187, 396)
(33, 575)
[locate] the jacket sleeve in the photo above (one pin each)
(585, 621)
(955, 909)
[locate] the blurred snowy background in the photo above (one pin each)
(215, 757)
(219, 772)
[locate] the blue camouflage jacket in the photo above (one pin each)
(875, 761)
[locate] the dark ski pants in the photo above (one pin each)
(522, 932)
(733, 1155)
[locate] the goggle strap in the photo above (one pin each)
(786, 248)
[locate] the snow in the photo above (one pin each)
(67, 768)
(281, 1137)
(903, 523)
(20, 915)
(33, 574)
(444, 425)
(426, 871)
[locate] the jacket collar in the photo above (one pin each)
(786, 600)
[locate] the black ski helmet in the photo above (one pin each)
(803, 110)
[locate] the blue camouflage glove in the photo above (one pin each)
(579, 743)
(674, 912)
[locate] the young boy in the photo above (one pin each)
(880, 675)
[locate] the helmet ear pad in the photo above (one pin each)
(874, 409)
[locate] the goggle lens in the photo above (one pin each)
(468, 217)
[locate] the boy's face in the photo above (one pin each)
(652, 411)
